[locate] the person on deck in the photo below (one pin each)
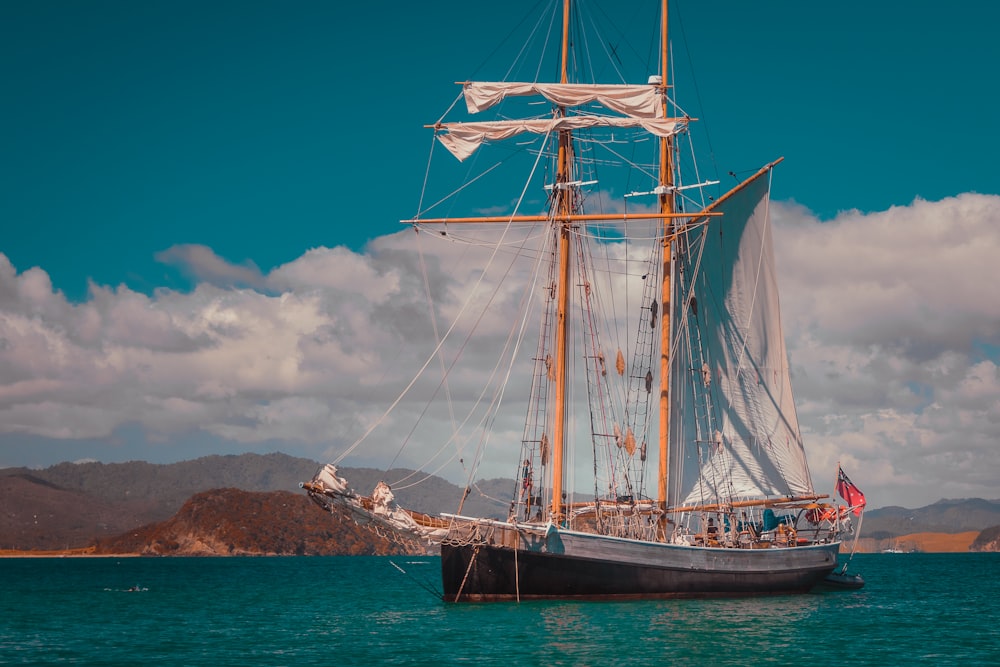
(526, 487)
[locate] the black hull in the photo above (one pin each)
(484, 573)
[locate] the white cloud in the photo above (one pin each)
(205, 266)
(892, 325)
(894, 333)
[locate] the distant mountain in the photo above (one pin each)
(232, 522)
(944, 516)
(38, 514)
(69, 505)
(73, 504)
(163, 488)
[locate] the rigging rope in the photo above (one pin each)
(424, 585)
(472, 292)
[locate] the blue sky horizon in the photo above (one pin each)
(171, 158)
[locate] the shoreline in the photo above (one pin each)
(86, 552)
(911, 543)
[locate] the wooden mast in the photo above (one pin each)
(563, 208)
(564, 213)
(667, 208)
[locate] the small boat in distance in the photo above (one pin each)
(659, 371)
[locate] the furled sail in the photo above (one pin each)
(637, 101)
(740, 429)
(462, 139)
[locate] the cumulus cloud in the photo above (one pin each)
(893, 334)
(309, 355)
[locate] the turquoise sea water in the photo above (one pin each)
(917, 609)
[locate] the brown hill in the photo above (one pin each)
(38, 514)
(231, 522)
(988, 540)
(69, 505)
(163, 488)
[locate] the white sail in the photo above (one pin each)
(462, 139)
(643, 101)
(746, 443)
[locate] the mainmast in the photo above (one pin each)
(666, 182)
(563, 209)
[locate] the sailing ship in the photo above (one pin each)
(698, 483)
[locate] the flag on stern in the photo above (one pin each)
(849, 492)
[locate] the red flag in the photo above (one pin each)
(849, 492)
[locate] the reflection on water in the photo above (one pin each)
(934, 609)
(679, 630)
(744, 614)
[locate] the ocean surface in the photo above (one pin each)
(916, 609)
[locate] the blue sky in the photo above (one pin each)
(132, 127)
(178, 145)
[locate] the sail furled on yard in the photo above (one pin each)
(747, 442)
(636, 101)
(638, 106)
(462, 139)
